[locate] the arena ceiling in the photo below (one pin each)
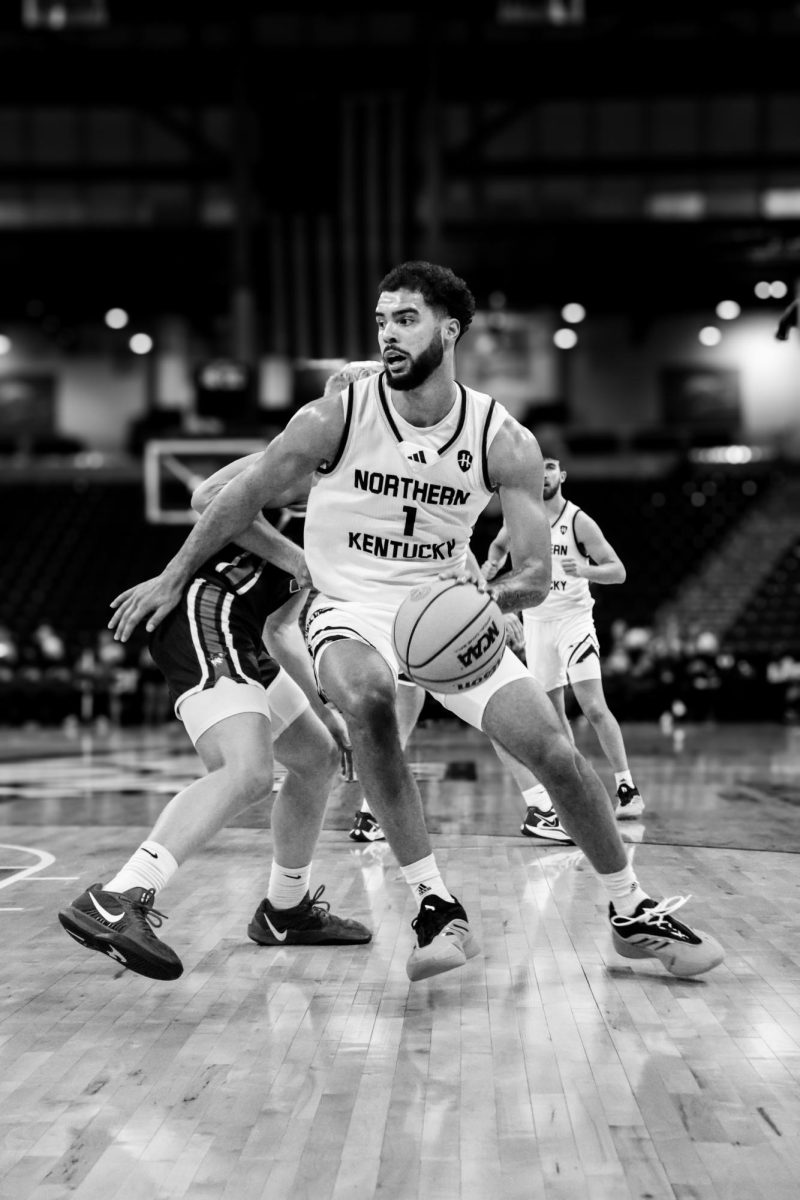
(638, 153)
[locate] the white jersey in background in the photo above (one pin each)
(397, 503)
(569, 594)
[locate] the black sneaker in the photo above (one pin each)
(366, 829)
(651, 932)
(630, 803)
(543, 823)
(309, 923)
(444, 938)
(119, 924)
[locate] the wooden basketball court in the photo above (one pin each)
(547, 1067)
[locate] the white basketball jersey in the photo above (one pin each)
(569, 594)
(397, 503)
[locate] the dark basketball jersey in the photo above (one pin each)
(216, 630)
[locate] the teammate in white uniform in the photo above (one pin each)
(402, 467)
(561, 644)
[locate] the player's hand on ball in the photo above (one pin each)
(154, 598)
(465, 577)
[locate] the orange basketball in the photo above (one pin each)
(448, 636)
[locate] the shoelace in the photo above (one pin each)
(658, 916)
(141, 908)
(317, 905)
(424, 918)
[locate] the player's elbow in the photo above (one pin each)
(201, 498)
(620, 575)
(538, 585)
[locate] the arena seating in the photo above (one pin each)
(68, 547)
(770, 625)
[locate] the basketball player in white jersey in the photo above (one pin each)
(402, 464)
(561, 641)
(410, 697)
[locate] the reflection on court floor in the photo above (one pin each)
(546, 1067)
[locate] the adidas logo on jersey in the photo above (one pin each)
(415, 453)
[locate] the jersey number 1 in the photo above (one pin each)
(411, 516)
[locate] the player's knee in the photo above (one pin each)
(322, 754)
(558, 761)
(595, 711)
(372, 709)
(249, 780)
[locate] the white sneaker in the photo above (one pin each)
(651, 932)
(444, 939)
(543, 823)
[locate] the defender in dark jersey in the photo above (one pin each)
(236, 700)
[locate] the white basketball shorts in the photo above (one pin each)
(329, 621)
(563, 650)
(281, 703)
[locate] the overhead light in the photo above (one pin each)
(565, 339)
(709, 335)
(728, 310)
(574, 313)
(116, 318)
(141, 343)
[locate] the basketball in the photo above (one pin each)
(448, 636)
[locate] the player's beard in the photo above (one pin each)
(550, 490)
(416, 370)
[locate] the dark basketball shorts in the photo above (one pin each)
(215, 664)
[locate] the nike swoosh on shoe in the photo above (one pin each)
(275, 932)
(106, 915)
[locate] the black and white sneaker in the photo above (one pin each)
(652, 932)
(366, 829)
(444, 938)
(119, 924)
(630, 804)
(543, 823)
(309, 923)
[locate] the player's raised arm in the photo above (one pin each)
(205, 492)
(261, 538)
(310, 438)
(515, 467)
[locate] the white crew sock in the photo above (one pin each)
(623, 777)
(151, 866)
(623, 890)
(287, 885)
(537, 797)
(365, 806)
(423, 878)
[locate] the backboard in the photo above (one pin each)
(173, 467)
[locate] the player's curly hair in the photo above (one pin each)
(439, 286)
(349, 373)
